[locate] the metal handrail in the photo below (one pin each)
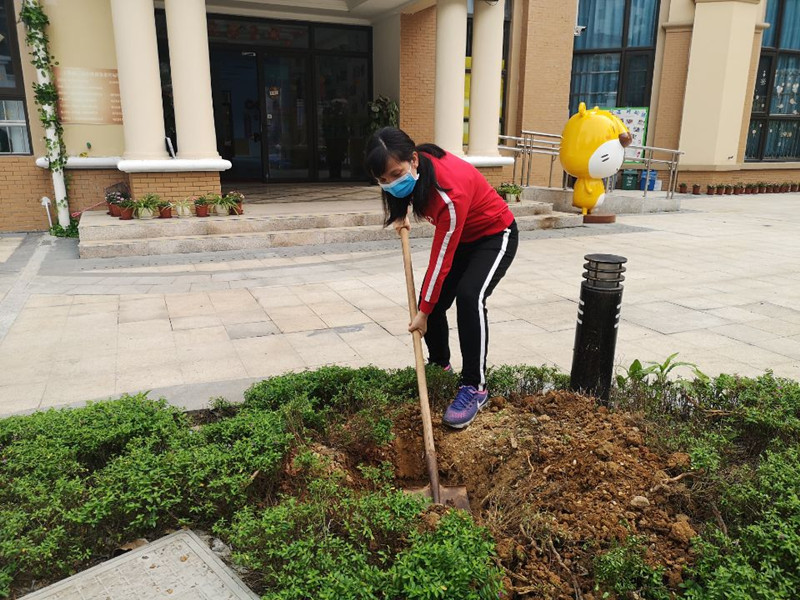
(531, 142)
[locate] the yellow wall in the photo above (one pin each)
(82, 35)
(717, 82)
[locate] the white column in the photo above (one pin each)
(191, 78)
(139, 79)
(486, 78)
(451, 48)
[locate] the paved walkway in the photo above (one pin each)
(718, 282)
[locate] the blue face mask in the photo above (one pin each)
(402, 186)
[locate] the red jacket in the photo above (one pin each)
(470, 210)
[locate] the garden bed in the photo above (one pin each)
(685, 489)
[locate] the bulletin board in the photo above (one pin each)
(635, 119)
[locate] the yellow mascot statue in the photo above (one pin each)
(592, 147)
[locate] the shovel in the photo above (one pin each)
(440, 494)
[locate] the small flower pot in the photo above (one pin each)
(728, 191)
(762, 189)
(114, 210)
(512, 198)
(145, 214)
(201, 210)
(181, 212)
(793, 187)
(784, 188)
(220, 210)
(238, 210)
(125, 214)
(737, 191)
(696, 190)
(165, 213)
(683, 188)
(711, 190)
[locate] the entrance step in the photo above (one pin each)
(264, 226)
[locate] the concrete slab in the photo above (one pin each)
(179, 566)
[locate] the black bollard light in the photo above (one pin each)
(598, 321)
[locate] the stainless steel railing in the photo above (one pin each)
(530, 143)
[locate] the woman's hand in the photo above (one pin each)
(404, 224)
(420, 323)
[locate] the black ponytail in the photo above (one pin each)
(391, 142)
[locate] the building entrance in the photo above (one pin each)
(290, 99)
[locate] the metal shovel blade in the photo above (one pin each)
(449, 495)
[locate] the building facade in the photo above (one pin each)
(179, 97)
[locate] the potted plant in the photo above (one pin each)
(183, 208)
(146, 206)
(696, 189)
(235, 200)
(711, 189)
(113, 200)
(683, 188)
(509, 191)
(201, 206)
(728, 189)
(738, 189)
(793, 187)
(126, 209)
(720, 187)
(762, 187)
(164, 210)
(218, 204)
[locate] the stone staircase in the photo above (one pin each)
(271, 226)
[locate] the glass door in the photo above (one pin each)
(237, 112)
(286, 143)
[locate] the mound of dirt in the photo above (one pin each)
(557, 480)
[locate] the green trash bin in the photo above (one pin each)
(629, 179)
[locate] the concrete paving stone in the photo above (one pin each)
(179, 566)
(777, 326)
(277, 297)
(21, 397)
(751, 354)
(298, 324)
(172, 288)
(189, 305)
(774, 311)
(744, 333)
(141, 380)
(397, 327)
(667, 317)
(210, 285)
(199, 336)
(362, 331)
(320, 347)
(786, 346)
(553, 316)
(238, 300)
(90, 308)
(322, 309)
(236, 317)
(226, 276)
(736, 314)
(354, 317)
(78, 388)
(238, 331)
(42, 300)
(213, 368)
(388, 313)
(788, 370)
(144, 330)
(132, 312)
(703, 303)
(267, 356)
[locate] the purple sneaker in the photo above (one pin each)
(465, 407)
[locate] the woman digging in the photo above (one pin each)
(474, 243)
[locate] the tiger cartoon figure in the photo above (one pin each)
(592, 147)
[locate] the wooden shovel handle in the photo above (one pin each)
(422, 383)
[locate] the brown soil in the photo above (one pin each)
(556, 479)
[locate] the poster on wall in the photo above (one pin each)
(635, 119)
(88, 96)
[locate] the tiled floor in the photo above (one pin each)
(718, 282)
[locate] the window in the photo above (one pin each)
(14, 138)
(612, 61)
(774, 132)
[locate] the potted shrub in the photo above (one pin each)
(164, 210)
(768, 188)
(146, 206)
(183, 208)
(683, 188)
(509, 191)
(784, 187)
(711, 189)
(201, 206)
(235, 200)
(793, 187)
(738, 189)
(113, 200)
(728, 189)
(126, 209)
(696, 189)
(218, 204)
(720, 187)
(762, 187)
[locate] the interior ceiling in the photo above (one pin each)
(341, 11)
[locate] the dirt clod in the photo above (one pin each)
(640, 502)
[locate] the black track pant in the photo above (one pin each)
(477, 267)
